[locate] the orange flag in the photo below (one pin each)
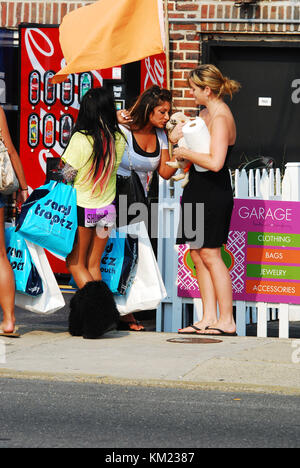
(110, 33)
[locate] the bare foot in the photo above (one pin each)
(131, 322)
(7, 327)
(226, 327)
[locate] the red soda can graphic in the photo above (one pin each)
(49, 130)
(33, 130)
(34, 87)
(85, 84)
(67, 91)
(65, 129)
(49, 89)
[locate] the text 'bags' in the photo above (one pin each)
(27, 279)
(50, 220)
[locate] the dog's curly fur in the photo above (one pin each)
(184, 166)
(93, 311)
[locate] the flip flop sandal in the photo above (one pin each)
(9, 334)
(220, 332)
(195, 332)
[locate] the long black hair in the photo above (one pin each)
(97, 118)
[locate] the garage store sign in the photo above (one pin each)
(262, 253)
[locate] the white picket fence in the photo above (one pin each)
(176, 312)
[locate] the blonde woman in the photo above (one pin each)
(211, 188)
(7, 280)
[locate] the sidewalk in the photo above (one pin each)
(239, 364)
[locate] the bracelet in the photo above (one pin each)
(24, 190)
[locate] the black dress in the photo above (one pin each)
(210, 194)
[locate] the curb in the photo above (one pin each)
(188, 385)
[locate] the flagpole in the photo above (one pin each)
(167, 42)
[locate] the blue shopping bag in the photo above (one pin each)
(36, 195)
(118, 262)
(50, 221)
(27, 279)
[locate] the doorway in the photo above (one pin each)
(267, 108)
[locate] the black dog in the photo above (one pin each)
(93, 311)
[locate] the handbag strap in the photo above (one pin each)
(128, 152)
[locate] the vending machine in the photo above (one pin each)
(48, 111)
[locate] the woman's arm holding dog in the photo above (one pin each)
(213, 161)
(165, 171)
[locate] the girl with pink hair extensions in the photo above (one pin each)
(91, 159)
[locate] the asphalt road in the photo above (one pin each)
(42, 414)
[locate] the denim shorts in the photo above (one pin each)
(2, 201)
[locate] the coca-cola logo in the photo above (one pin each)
(37, 41)
(155, 72)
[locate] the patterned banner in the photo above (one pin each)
(262, 253)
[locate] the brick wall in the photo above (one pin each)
(187, 30)
(13, 12)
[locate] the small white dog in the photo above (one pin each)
(184, 166)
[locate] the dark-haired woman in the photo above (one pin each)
(91, 161)
(147, 146)
(147, 149)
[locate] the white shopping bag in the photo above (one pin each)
(147, 289)
(51, 299)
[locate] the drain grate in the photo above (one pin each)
(194, 340)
